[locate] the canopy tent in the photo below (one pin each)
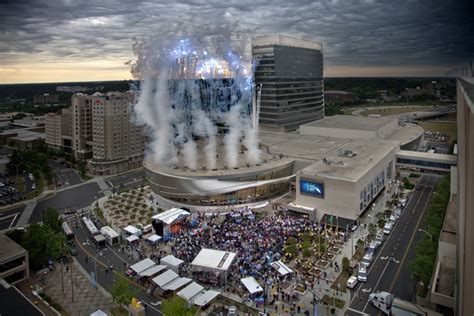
(165, 278)
(153, 238)
(132, 238)
(98, 312)
(252, 285)
(282, 268)
(171, 216)
(214, 259)
(132, 230)
(142, 265)
(108, 231)
(205, 297)
(172, 262)
(176, 284)
(190, 291)
(151, 271)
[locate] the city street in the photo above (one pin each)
(71, 198)
(127, 180)
(99, 260)
(389, 271)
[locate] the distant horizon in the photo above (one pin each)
(331, 77)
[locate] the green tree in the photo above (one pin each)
(177, 306)
(51, 218)
(122, 292)
(346, 264)
(42, 243)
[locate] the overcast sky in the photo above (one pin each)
(81, 40)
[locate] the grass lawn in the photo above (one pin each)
(396, 110)
(342, 280)
(442, 127)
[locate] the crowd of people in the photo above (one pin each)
(257, 242)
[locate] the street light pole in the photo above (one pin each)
(427, 233)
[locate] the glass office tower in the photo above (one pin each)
(290, 72)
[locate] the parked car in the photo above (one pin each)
(73, 252)
(362, 274)
(351, 282)
(387, 229)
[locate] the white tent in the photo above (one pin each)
(170, 216)
(172, 262)
(214, 259)
(282, 268)
(252, 285)
(142, 265)
(132, 230)
(190, 291)
(132, 238)
(98, 312)
(176, 284)
(151, 271)
(205, 297)
(165, 278)
(153, 238)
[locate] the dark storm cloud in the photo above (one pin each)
(354, 33)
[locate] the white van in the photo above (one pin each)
(393, 219)
(368, 257)
(362, 274)
(351, 282)
(387, 228)
(147, 229)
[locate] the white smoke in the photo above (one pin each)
(174, 107)
(189, 153)
(203, 127)
(232, 138)
(251, 142)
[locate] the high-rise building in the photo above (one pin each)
(118, 142)
(465, 244)
(290, 73)
(58, 130)
(98, 128)
(81, 124)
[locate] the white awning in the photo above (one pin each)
(152, 270)
(165, 278)
(132, 230)
(98, 312)
(282, 268)
(132, 238)
(205, 297)
(170, 216)
(142, 265)
(252, 285)
(190, 291)
(176, 284)
(154, 238)
(214, 259)
(171, 261)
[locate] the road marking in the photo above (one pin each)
(378, 281)
(356, 311)
(411, 240)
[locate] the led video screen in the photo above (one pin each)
(312, 188)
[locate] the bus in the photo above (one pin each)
(91, 229)
(67, 231)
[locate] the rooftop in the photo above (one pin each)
(450, 225)
(367, 153)
(283, 40)
(9, 249)
(13, 302)
(363, 123)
